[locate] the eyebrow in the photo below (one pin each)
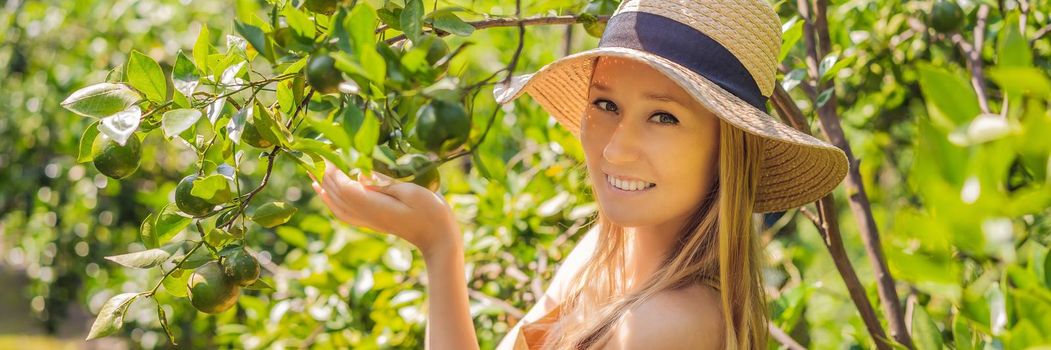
(648, 95)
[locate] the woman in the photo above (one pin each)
(670, 111)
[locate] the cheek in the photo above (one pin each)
(594, 135)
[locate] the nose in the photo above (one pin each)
(622, 146)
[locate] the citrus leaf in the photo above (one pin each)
(212, 188)
(924, 331)
(237, 124)
(176, 121)
(299, 22)
(111, 317)
(185, 76)
(100, 100)
(273, 214)
(122, 125)
(410, 19)
(950, 95)
(259, 284)
(255, 37)
(164, 324)
(201, 49)
(365, 139)
(169, 222)
(85, 153)
(141, 260)
(175, 284)
(146, 75)
(452, 23)
(148, 233)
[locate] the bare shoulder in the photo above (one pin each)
(689, 318)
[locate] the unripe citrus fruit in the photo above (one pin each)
(241, 268)
(114, 160)
(187, 202)
(210, 291)
(322, 74)
(946, 16)
(442, 125)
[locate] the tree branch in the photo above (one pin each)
(510, 22)
(858, 200)
(973, 55)
(783, 337)
(826, 224)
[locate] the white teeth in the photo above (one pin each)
(628, 185)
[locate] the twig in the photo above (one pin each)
(783, 337)
(1040, 34)
(857, 198)
(512, 22)
(503, 305)
(973, 55)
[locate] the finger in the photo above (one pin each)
(404, 192)
(363, 200)
(338, 210)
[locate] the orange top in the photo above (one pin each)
(533, 334)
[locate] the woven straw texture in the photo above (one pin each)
(797, 168)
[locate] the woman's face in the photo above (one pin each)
(643, 128)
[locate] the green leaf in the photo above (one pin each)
(175, 121)
(792, 79)
(299, 22)
(256, 38)
(925, 332)
(273, 214)
(86, 152)
(101, 100)
(366, 138)
(146, 75)
(452, 23)
(411, 17)
(314, 147)
(169, 222)
(949, 96)
(352, 120)
(212, 188)
(148, 233)
(164, 324)
(961, 334)
(185, 75)
(237, 123)
(824, 96)
(829, 72)
(260, 285)
(310, 161)
(1013, 48)
(111, 317)
(332, 130)
(791, 32)
(293, 236)
(201, 49)
(1025, 80)
(360, 25)
(142, 260)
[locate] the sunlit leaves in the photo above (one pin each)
(111, 316)
(411, 18)
(176, 121)
(273, 214)
(949, 97)
(185, 75)
(145, 75)
(100, 100)
(122, 125)
(448, 21)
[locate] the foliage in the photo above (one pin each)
(959, 187)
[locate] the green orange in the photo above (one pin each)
(210, 291)
(114, 160)
(187, 202)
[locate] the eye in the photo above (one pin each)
(666, 118)
(605, 105)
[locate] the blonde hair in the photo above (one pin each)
(718, 248)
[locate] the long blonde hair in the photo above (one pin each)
(718, 248)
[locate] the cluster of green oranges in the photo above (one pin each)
(441, 125)
(215, 286)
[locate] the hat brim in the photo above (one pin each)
(797, 168)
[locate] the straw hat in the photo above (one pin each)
(723, 53)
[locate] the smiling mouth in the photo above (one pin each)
(628, 185)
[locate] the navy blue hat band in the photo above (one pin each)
(686, 46)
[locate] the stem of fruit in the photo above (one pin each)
(269, 168)
(177, 265)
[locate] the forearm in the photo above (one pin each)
(449, 323)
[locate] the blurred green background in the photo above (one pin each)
(960, 194)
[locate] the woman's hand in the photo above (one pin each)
(404, 209)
